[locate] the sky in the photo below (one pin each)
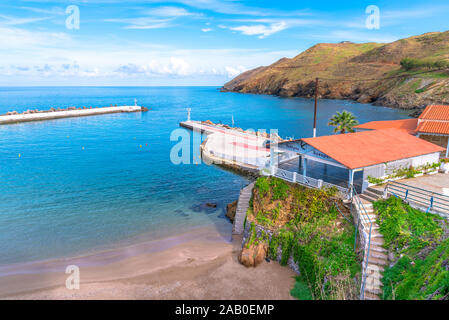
(186, 42)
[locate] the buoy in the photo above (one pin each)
(141, 146)
(20, 155)
(82, 148)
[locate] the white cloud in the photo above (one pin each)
(16, 38)
(206, 29)
(156, 18)
(12, 21)
(143, 23)
(52, 11)
(233, 72)
(174, 67)
(356, 36)
(169, 12)
(261, 30)
(55, 58)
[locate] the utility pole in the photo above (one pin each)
(316, 102)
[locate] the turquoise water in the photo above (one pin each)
(90, 183)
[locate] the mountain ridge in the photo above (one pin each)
(352, 63)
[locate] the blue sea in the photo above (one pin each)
(78, 185)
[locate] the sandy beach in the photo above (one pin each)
(201, 264)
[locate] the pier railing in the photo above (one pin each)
(421, 198)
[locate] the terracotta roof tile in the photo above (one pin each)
(434, 112)
(438, 127)
(408, 125)
(367, 148)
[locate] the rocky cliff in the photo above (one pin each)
(348, 71)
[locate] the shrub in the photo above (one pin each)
(280, 189)
(410, 64)
(263, 185)
(273, 247)
(406, 227)
(422, 271)
(375, 180)
(301, 291)
(321, 247)
(262, 219)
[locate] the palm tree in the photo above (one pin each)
(343, 122)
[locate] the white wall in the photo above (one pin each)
(382, 170)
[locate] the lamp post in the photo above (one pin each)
(316, 102)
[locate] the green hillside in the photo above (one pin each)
(416, 84)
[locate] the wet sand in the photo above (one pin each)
(201, 264)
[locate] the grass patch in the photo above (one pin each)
(301, 291)
(405, 229)
(419, 243)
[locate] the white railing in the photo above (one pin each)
(365, 228)
(307, 181)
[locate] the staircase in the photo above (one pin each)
(370, 195)
(242, 207)
(377, 258)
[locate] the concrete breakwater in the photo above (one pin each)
(233, 147)
(36, 115)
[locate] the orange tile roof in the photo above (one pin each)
(438, 127)
(367, 148)
(408, 125)
(435, 113)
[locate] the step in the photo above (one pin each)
(374, 274)
(368, 198)
(375, 234)
(373, 291)
(375, 248)
(367, 221)
(366, 211)
(371, 296)
(373, 283)
(377, 241)
(367, 205)
(377, 261)
(378, 255)
(379, 192)
(368, 217)
(371, 194)
(367, 225)
(373, 267)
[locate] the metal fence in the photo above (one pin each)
(420, 198)
(365, 227)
